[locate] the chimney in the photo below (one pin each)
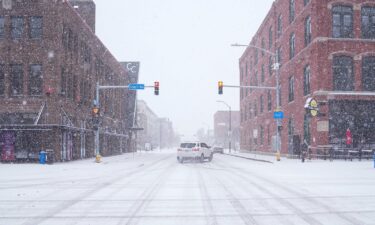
(86, 9)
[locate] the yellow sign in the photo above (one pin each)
(313, 107)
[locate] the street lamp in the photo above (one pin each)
(230, 124)
(276, 67)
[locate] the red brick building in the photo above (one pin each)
(50, 62)
(326, 49)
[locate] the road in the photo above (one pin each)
(152, 188)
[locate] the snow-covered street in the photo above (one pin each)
(153, 188)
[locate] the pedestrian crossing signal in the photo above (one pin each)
(220, 86)
(156, 87)
(95, 111)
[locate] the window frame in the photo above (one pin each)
(17, 27)
(36, 32)
(340, 10)
(308, 31)
(2, 79)
(292, 45)
(16, 69)
(369, 31)
(2, 27)
(38, 82)
(337, 85)
(306, 80)
(292, 10)
(368, 68)
(291, 88)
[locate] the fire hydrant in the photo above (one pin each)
(98, 158)
(278, 156)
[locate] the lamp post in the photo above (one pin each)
(230, 125)
(276, 67)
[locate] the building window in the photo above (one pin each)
(268, 135)
(368, 22)
(2, 27)
(307, 31)
(292, 46)
(16, 27)
(256, 79)
(16, 79)
(255, 56)
(290, 127)
(269, 100)
(306, 128)
(2, 80)
(306, 80)
(262, 78)
(280, 94)
(246, 70)
(279, 56)
(343, 73)
(279, 25)
(261, 135)
(292, 11)
(305, 2)
(270, 65)
(63, 84)
(261, 104)
(342, 22)
(368, 73)
(263, 46)
(255, 110)
(291, 89)
(270, 37)
(36, 81)
(36, 27)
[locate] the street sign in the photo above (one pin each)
(136, 86)
(278, 115)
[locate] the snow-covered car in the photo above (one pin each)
(218, 149)
(194, 150)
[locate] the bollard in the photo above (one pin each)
(278, 156)
(98, 158)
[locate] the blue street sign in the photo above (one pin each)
(278, 115)
(136, 86)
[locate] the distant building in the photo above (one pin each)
(167, 137)
(326, 49)
(50, 62)
(221, 129)
(149, 121)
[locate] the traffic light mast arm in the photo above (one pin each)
(252, 87)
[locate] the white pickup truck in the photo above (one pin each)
(194, 150)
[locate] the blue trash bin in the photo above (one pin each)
(42, 157)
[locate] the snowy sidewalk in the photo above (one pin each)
(253, 156)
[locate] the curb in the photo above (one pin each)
(254, 159)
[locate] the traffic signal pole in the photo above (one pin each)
(97, 104)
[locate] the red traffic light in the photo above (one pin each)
(156, 87)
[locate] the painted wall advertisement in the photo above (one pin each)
(8, 143)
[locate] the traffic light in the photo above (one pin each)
(156, 87)
(220, 85)
(95, 111)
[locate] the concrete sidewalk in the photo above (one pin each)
(256, 156)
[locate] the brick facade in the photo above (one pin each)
(53, 108)
(317, 56)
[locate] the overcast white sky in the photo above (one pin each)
(185, 45)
